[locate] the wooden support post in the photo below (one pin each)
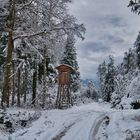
(64, 92)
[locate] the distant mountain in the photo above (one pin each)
(95, 82)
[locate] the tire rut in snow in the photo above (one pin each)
(62, 134)
(95, 128)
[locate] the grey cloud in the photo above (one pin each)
(113, 20)
(94, 47)
(113, 39)
(111, 29)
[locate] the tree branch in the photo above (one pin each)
(31, 35)
(25, 5)
(39, 33)
(44, 32)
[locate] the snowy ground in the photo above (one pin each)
(94, 121)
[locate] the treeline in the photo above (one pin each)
(34, 35)
(118, 83)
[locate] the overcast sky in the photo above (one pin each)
(111, 29)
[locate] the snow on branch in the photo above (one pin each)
(25, 5)
(135, 6)
(31, 35)
(54, 29)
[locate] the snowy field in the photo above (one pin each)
(94, 121)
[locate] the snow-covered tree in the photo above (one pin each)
(70, 58)
(91, 90)
(107, 74)
(121, 82)
(137, 47)
(3, 42)
(37, 23)
(128, 71)
(3, 35)
(135, 6)
(110, 79)
(102, 71)
(129, 62)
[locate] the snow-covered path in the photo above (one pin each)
(96, 126)
(82, 128)
(85, 122)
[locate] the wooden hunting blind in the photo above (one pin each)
(64, 82)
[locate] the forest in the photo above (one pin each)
(38, 36)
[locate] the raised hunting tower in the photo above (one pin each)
(64, 92)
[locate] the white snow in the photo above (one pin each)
(83, 122)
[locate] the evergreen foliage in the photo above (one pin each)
(107, 74)
(71, 59)
(135, 6)
(3, 36)
(110, 79)
(102, 71)
(36, 34)
(127, 79)
(91, 91)
(137, 46)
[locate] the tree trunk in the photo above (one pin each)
(44, 91)
(34, 83)
(7, 72)
(13, 92)
(8, 62)
(18, 92)
(25, 84)
(44, 82)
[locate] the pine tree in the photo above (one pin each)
(10, 47)
(91, 90)
(45, 29)
(3, 36)
(137, 45)
(102, 71)
(110, 79)
(3, 42)
(135, 6)
(107, 73)
(71, 59)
